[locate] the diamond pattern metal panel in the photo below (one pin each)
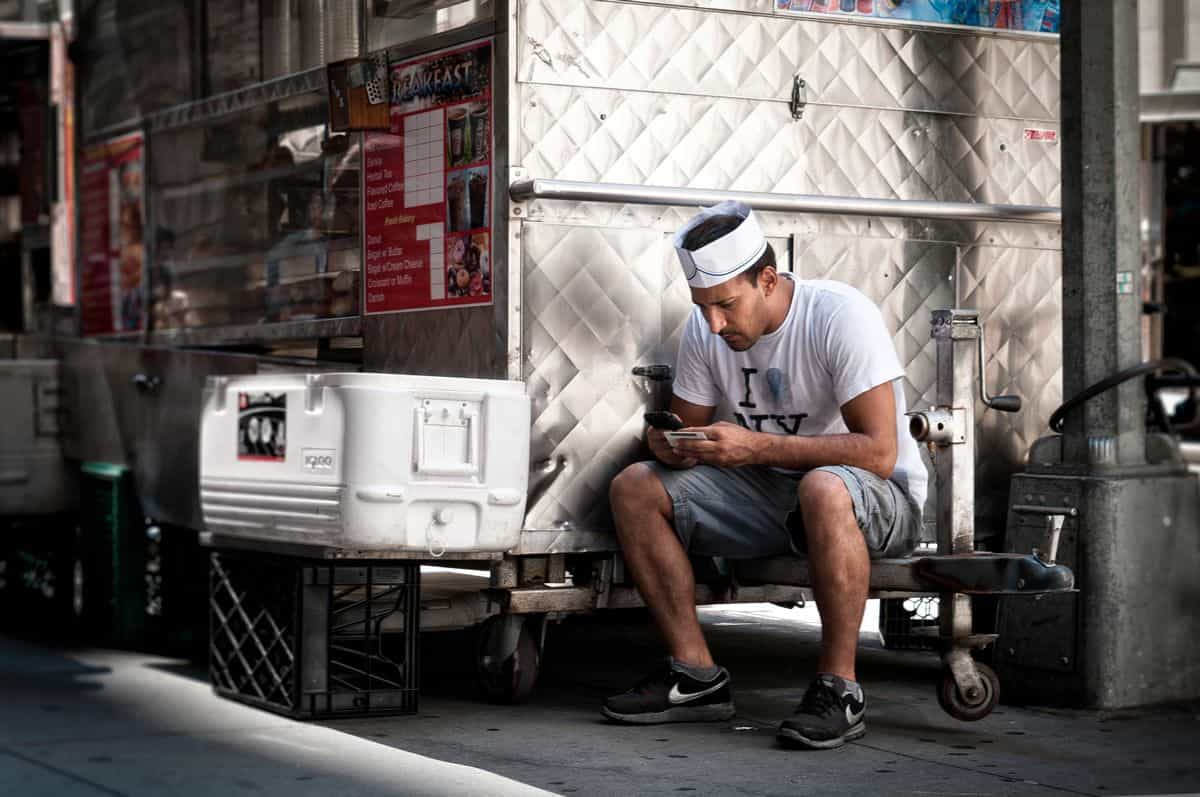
(630, 92)
(640, 47)
(600, 135)
(1010, 234)
(1019, 295)
(593, 308)
(906, 279)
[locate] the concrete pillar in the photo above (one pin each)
(1191, 21)
(1101, 248)
(1129, 636)
(1150, 32)
(1174, 27)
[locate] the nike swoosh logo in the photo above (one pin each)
(676, 697)
(852, 716)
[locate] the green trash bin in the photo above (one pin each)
(113, 553)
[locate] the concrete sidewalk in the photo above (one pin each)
(102, 722)
(93, 722)
(560, 742)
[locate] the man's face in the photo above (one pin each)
(737, 310)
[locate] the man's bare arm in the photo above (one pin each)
(870, 443)
(692, 414)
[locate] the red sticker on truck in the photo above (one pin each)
(1041, 134)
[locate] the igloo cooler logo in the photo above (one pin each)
(319, 460)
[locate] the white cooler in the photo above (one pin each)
(430, 464)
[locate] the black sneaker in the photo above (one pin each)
(829, 715)
(668, 695)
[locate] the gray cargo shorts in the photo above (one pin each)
(747, 512)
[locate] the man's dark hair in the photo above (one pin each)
(716, 227)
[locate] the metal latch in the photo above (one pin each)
(447, 437)
(1055, 517)
(799, 99)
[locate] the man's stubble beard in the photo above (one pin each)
(739, 347)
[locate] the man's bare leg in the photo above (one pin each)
(659, 566)
(839, 568)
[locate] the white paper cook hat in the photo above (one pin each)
(726, 257)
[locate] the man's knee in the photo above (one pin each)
(638, 489)
(824, 501)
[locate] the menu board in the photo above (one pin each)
(112, 217)
(1038, 16)
(427, 210)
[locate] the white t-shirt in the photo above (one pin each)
(832, 347)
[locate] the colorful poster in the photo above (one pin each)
(112, 219)
(1037, 16)
(427, 210)
(62, 212)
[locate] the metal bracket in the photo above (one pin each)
(962, 667)
(602, 579)
(504, 574)
(48, 408)
(1055, 516)
(1054, 525)
(655, 373)
(799, 100)
(942, 425)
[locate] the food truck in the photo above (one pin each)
(363, 285)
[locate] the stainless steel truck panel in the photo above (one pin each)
(635, 94)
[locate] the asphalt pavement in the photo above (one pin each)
(92, 721)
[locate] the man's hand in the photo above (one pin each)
(663, 451)
(728, 445)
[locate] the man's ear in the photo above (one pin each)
(769, 279)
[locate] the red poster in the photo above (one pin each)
(112, 216)
(427, 210)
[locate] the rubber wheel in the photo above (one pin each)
(512, 680)
(958, 706)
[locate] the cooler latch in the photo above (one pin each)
(446, 437)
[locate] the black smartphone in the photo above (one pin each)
(667, 421)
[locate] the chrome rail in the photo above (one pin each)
(571, 190)
(24, 31)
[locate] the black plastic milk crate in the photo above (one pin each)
(306, 638)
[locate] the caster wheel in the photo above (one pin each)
(509, 679)
(978, 706)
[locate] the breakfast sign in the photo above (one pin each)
(427, 210)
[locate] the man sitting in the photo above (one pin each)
(811, 376)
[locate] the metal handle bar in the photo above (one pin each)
(999, 403)
(1058, 417)
(622, 193)
(1047, 511)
